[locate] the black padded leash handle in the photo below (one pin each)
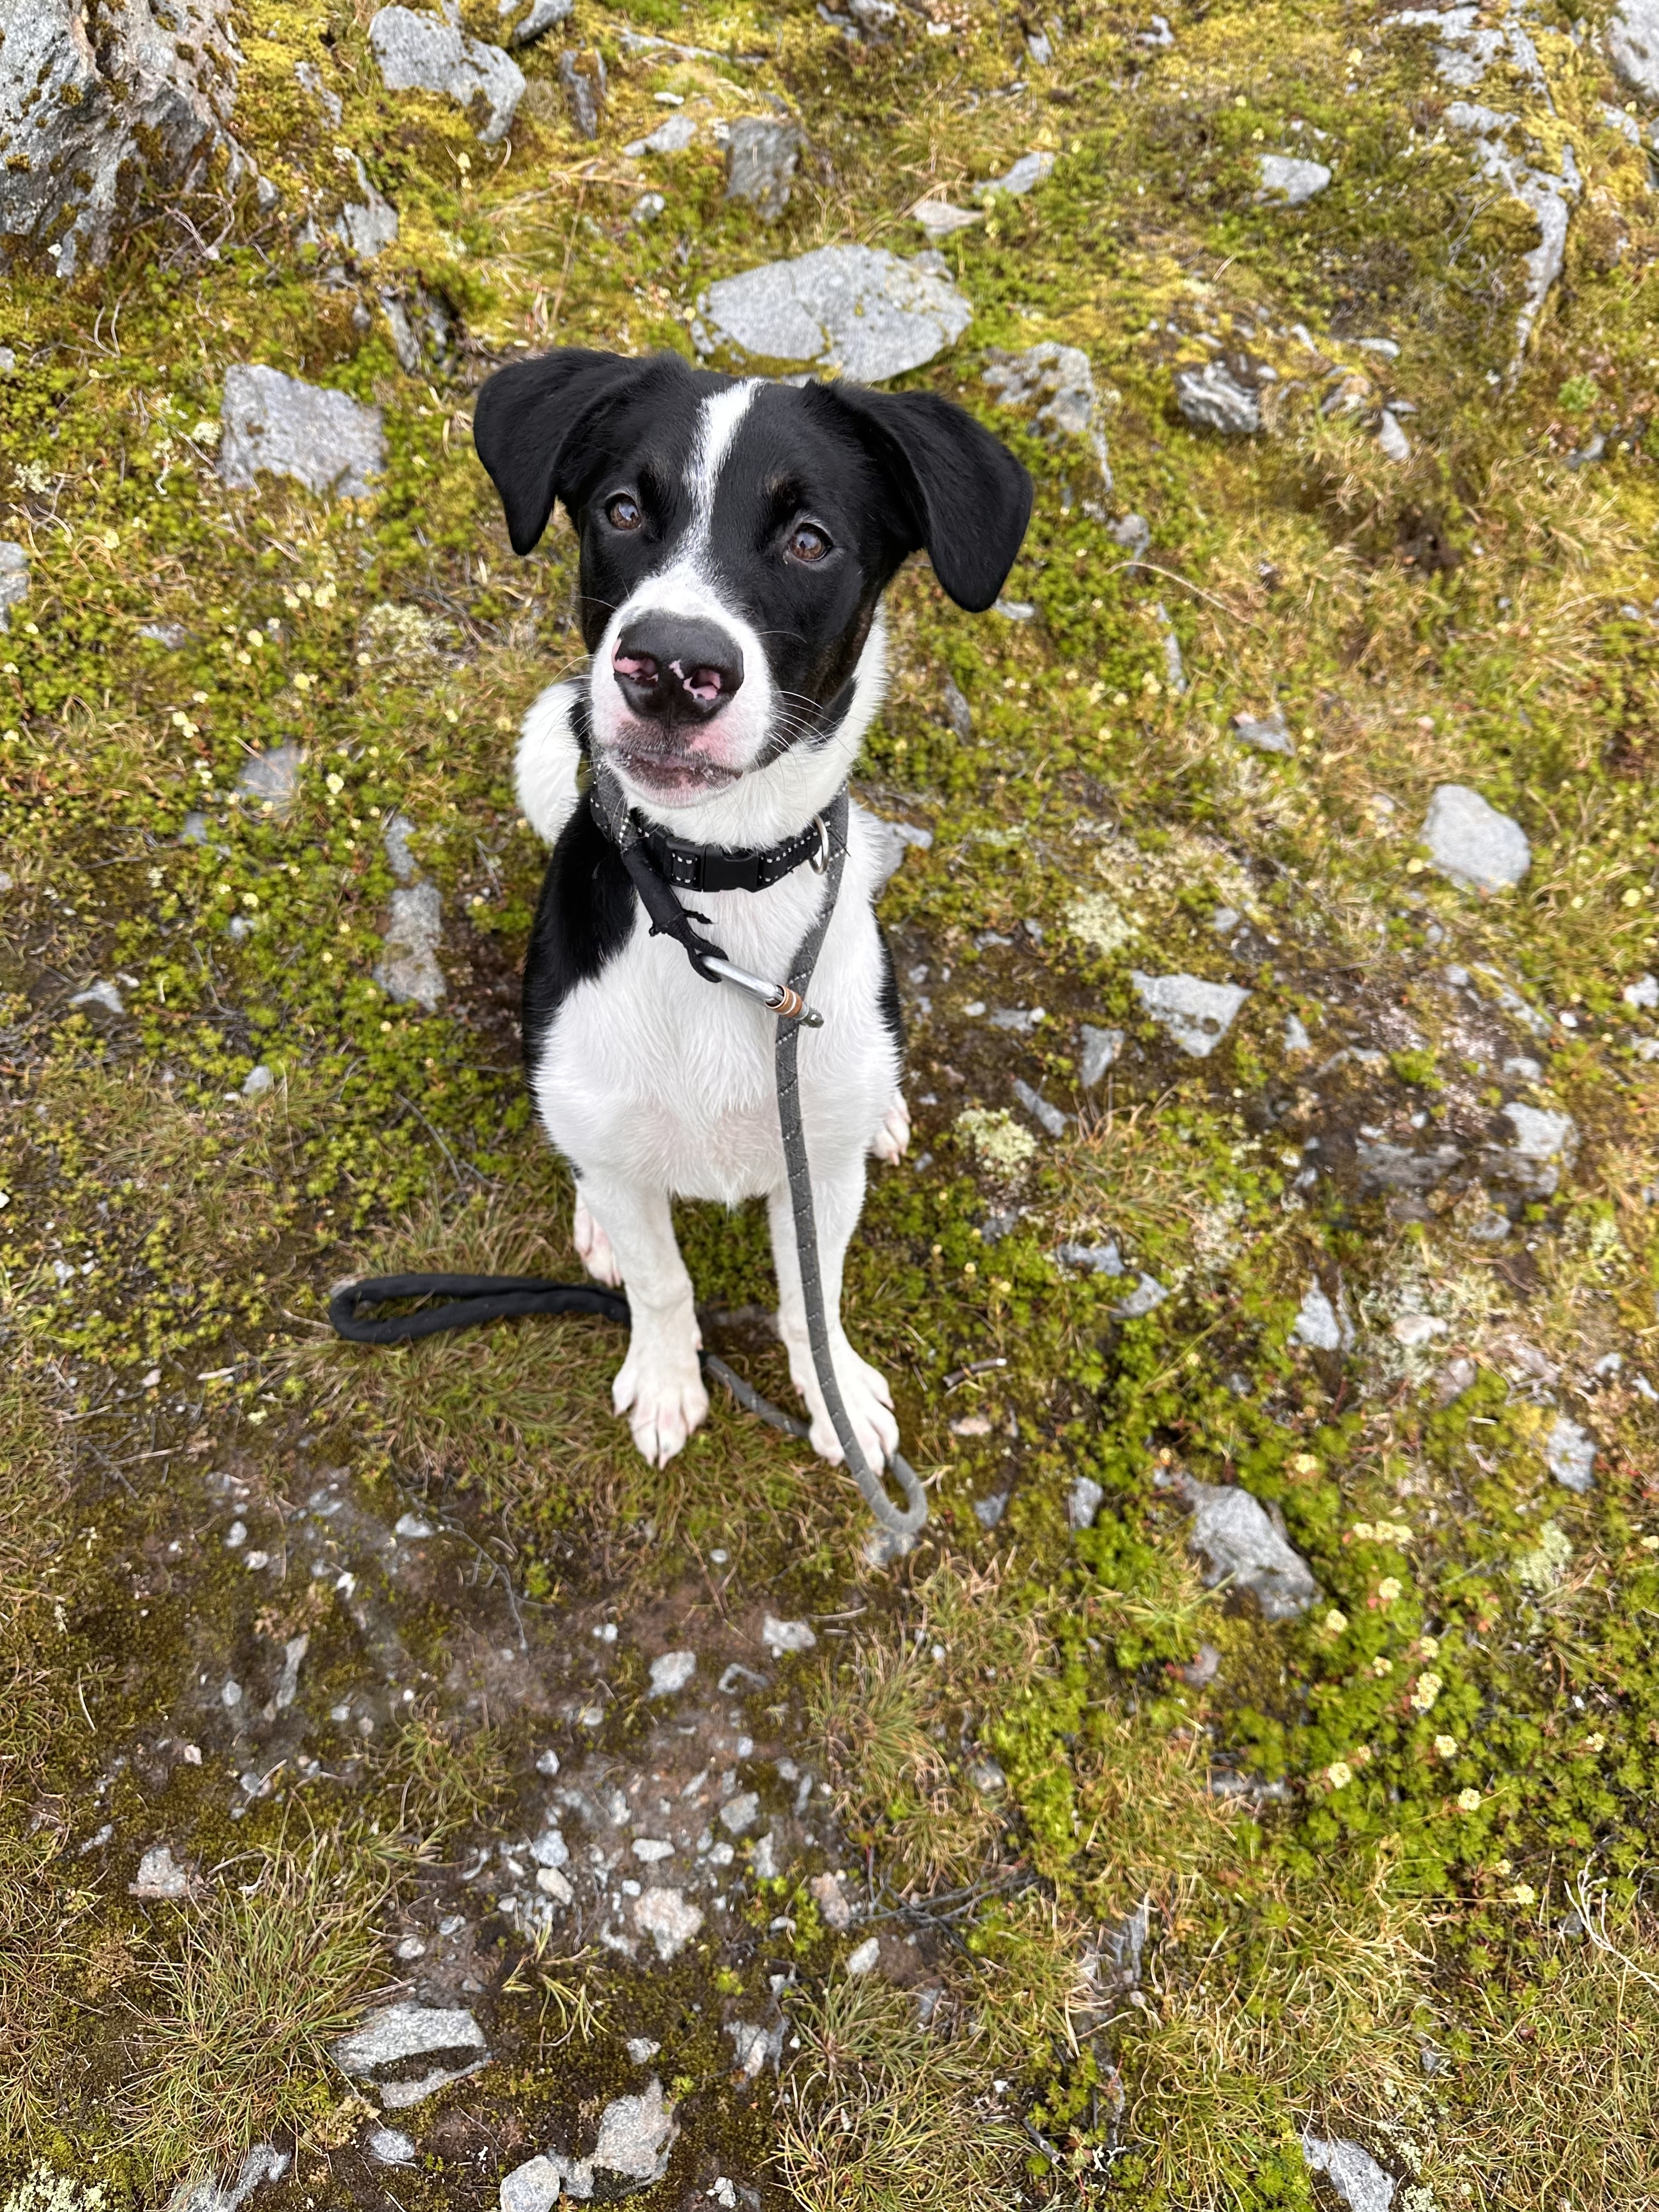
(473, 1300)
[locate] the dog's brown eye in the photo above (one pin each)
(623, 514)
(808, 543)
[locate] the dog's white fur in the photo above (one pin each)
(656, 1085)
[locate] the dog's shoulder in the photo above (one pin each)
(583, 918)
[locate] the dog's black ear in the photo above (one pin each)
(964, 494)
(531, 427)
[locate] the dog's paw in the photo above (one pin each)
(593, 1249)
(662, 1395)
(893, 1137)
(868, 1401)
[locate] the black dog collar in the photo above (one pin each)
(713, 868)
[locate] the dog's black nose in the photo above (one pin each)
(675, 668)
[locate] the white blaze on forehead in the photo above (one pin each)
(718, 426)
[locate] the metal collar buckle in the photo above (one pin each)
(819, 860)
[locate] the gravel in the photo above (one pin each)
(668, 1919)
(1242, 1547)
(781, 1635)
(856, 309)
(1193, 1014)
(160, 1874)
(1290, 181)
(326, 441)
(421, 52)
(1570, 1455)
(740, 1813)
(1212, 399)
(866, 1957)
(671, 1672)
(1472, 843)
(761, 161)
(1083, 1502)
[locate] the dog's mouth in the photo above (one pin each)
(671, 771)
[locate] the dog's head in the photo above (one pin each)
(736, 538)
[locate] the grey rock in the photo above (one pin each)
(271, 779)
(673, 135)
(1472, 841)
(288, 1682)
(1133, 532)
(1547, 196)
(309, 78)
(1202, 1669)
(1318, 1324)
(415, 1528)
(550, 1849)
(1351, 2171)
(857, 310)
(740, 1813)
(754, 2046)
(1193, 1014)
(159, 1875)
(1296, 1035)
(1100, 1051)
(1147, 1293)
(263, 2162)
(1541, 1135)
(649, 207)
(637, 2135)
(100, 994)
(1242, 1547)
(537, 22)
(533, 2186)
(172, 637)
(582, 94)
(419, 326)
(405, 2031)
(1642, 993)
(986, 1776)
(399, 2096)
(866, 1958)
(1039, 1108)
(1058, 382)
(369, 225)
(671, 1672)
(1028, 171)
(1395, 445)
(258, 1081)
(781, 1635)
(1383, 1166)
(958, 712)
(395, 834)
(96, 121)
(893, 840)
(1174, 670)
(391, 2147)
(1093, 1259)
(408, 972)
(669, 1919)
(13, 578)
(760, 162)
(1083, 1502)
(640, 2050)
(1269, 732)
(831, 1899)
(988, 1511)
(940, 220)
(326, 439)
(421, 52)
(1570, 1455)
(1021, 611)
(1633, 45)
(1291, 181)
(1212, 399)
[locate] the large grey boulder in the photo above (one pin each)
(857, 310)
(1633, 45)
(422, 53)
(1472, 842)
(97, 119)
(277, 422)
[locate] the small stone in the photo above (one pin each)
(391, 2147)
(1019, 610)
(781, 1635)
(831, 1899)
(1133, 532)
(100, 994)
(326, 440)
(1203, 1667)
(172, 637)
(194, 831)
(1196, 1015)
(1083, 1502)
(230, 1695)
(1101, 1048)
(531, 2187)
(413, 1529)
(1352, 2172)
(1057, 381)
(1212, 399)
(540, 19)
(1147, 1293)
(650, 1851)
(668, 1919)
(1541, 1135)
(1039, 1108)
(1296, 1035)
(1472, 843)
(1028, 171)
(405, 2030)
(550, 1849)
(271, 779)
(940, 220)
(410, 972)
(985, 1775)
(1290, 181)
(1093, 1259)
(294, 1652)
(13, 578)
(1634, 47)
(412, 1947)
(640, 2050)
(637, 2135)
(760, 162)
(957, 712)
(369, 225)
(857, 310)
(866, 1957)
(1415, 1330)
(649, 207)
(1395, 444)
(673, 135)
(421, 52)
(160, 1874)
(551, 1883)
(988, 1511)
(753, 2046)
(1245, 1550)
(394, 838)
(740, 1813)
(1269, 732)
(1318, 1324)
(258, 1081)
(581, 95)
(1570, 1455)
(1642, 993)
(671, 1672)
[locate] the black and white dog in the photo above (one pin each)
(737, 537)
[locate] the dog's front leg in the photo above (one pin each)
(660, 1385)
(837, 1201)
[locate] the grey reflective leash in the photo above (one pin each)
(788, 1000)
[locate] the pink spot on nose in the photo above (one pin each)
(639, 667)
(703, 683)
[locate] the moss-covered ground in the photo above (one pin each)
(1392, 1856)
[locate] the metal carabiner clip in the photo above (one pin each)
(820, 859)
